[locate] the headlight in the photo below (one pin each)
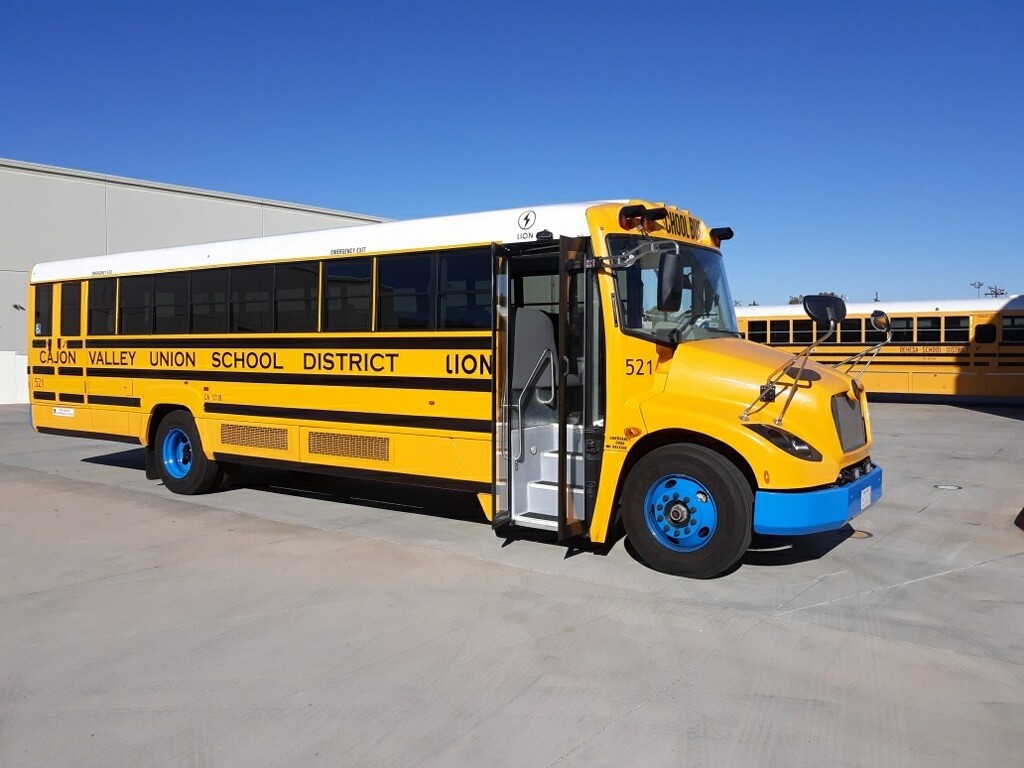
(787, 441)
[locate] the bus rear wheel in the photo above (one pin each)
(183, 466)
(688, 511)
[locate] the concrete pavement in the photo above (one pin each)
(294, 620)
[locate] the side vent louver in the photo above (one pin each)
(350, 446)
(251, 436)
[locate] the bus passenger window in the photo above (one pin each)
(71, 309)
(102, 294)
(136, 305)
(170, 304)
(250, 299)
(1013, 329)
(821, 331)
(757, 330)
(44, 310)
(850, 331)
(928, 329)
(803, 332)
(208, 299)
(295, 296)
(464, 289)
(956, 329)
(403, 293)
(903, 330)
(872, 336)
(779, 330)
(984, 333)
(347, 295)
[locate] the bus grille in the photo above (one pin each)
(849, 422)
(251, 436)
(350, 446)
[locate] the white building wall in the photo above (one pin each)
(49, 213)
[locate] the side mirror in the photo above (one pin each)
(825, 310)
(880, 321)
(670, 282)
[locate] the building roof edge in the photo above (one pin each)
(54, 170)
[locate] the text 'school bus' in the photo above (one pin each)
(565, 363)
(940, 349)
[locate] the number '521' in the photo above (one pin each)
(637, 367)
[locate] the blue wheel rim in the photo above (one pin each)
(680, 513)
(176, 453)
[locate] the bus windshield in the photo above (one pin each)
(706, 310)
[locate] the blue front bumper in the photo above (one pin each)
(794, 513)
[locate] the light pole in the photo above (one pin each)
(977, 284)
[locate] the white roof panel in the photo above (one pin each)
(504, 226)
(894, 308)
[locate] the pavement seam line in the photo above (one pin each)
(876, 590)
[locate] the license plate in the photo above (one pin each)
(865, 498)
(67, 412)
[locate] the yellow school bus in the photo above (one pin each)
(570, 365)
(944, 349)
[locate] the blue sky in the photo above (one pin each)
(853, 147)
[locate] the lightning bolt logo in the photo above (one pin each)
(526, 219)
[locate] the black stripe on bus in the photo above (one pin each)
(65, 397)
(827, 355)
(320, 342)
(913, 363)
(44, 395)
(847, 349)
(353, 417)
(38, 343)
(74, 344)
(43, 370)
(358, 474)
(89, 435)
(127, 402)
(309, 379)
(70, 371)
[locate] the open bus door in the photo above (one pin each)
(501, 512)
(547, 439)
(572, 512)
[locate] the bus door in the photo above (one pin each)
(548, 386)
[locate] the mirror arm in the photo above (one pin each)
(629, 259)
(852, 360)
(768, 392)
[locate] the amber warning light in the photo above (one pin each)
(630, 216)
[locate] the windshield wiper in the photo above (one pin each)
(676, 334)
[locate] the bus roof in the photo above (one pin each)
(893, 308)
(505, 226)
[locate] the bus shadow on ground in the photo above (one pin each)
(778, 551)
(1010, 408)
(1005, 411)
(133, 458)
(789, 550)
(389, 496)
(432, 502)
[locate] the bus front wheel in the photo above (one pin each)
(183, 466)
(688, 511)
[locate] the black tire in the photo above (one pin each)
(718, 519)
(180, 460)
